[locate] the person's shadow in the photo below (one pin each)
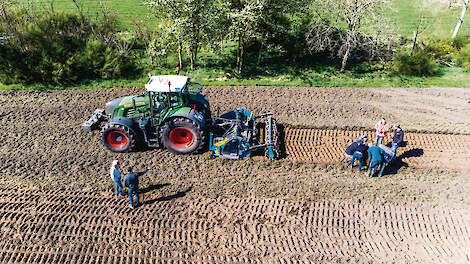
(398, 162)
(170, 197)
(152, 188)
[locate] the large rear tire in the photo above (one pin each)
(117, 138)
(182, 136)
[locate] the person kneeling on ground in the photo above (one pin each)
(131, 181)
(397, 138)
(359, 153)
(352, 148)
(376, 159)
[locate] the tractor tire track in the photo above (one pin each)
(420, 150)
(77, 227)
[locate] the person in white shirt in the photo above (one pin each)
(116, 176)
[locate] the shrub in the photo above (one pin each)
(460, 41)
(418, 64)
(441, 51)
(58, 48)
(463, 57)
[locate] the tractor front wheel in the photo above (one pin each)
(117, 138)
(182, 136)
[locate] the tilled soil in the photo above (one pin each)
(83, 227)
(191, 213)
(419, 150)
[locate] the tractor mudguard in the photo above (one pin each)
(189, 113)
(124, 121)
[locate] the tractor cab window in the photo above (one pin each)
(174, 99)
(159, 101)
(193, 87)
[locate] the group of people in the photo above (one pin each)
(131, 181)
(378, 154)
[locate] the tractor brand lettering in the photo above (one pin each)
(136, 104)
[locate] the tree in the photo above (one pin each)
(185, 20)
(462, 15)
(244, 17)
(344, 26)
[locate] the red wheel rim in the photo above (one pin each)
(116, 139)
(181, 137)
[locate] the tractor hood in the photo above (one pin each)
(112, 104)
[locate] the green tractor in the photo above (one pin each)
(171, 112)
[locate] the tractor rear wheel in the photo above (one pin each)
(117, 138)
(182, 136)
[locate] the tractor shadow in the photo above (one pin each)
(169, 197)
(398, 162)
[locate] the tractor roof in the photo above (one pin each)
(166, 83)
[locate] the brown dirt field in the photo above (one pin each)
(420, 150)
(415, 109)
(45, 159)
(84, 227)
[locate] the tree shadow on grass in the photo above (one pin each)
(170, 197)
(398, 162)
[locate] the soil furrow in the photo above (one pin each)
(288, 230)
(418, 150)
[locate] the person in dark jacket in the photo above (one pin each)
(359, 153)
(352, 148)
(131, 181)
(376, 159)
(397, 138)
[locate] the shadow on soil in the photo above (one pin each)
(152, 188)
(170, 197)
(398, 163)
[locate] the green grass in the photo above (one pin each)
(438, 19)
(127, 10)
(450, 77)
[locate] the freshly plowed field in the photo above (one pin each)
(83, 227)
(420, 150)
(56, 204)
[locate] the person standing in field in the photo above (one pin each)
(376, 159)
(397, 137)
(116, 176)
(131, 180)
(381, 130)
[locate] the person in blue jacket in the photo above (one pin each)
(359, 154)
(116, 176)
(376, 159)
(131, 181)
(352, 148)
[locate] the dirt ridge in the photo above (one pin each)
(419, 150)
(76, 227)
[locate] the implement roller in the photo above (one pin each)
(236, 134)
